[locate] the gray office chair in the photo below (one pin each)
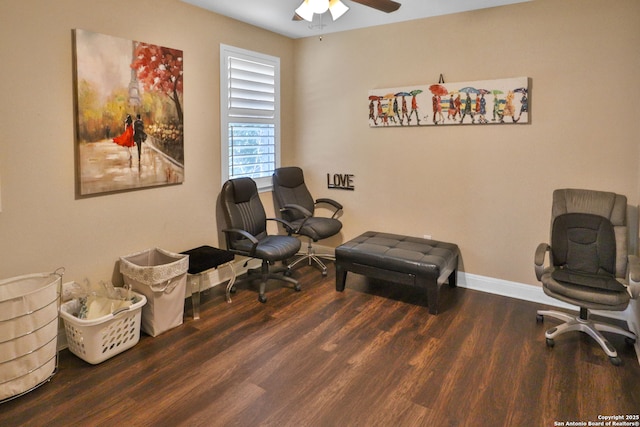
(588, 263)
(298, 208)
(247, 235)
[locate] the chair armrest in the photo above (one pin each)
(337, 206)
(244, 234)
(287, 225)
(301, 209)
(541, 252)
(633, 276)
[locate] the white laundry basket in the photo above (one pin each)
(97, 340)
(28, 332)
(161, 276)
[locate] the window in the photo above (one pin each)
(249, 115)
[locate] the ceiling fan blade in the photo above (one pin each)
(387, 6)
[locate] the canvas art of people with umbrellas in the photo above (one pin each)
(500, 101)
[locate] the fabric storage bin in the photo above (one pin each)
(97, 340)
(28, 332)
(161, 276)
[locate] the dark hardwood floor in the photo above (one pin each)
(371, 356)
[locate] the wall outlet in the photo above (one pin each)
(426, 236)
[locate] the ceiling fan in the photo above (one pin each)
(310, 7)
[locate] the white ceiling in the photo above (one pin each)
(275, 15)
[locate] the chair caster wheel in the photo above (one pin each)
(297, 288)
(262, 298)
(616, 361)
(233, 290)
(288, 272)
(539, 318)
(550, 342)
(324, 273)
(630, 341)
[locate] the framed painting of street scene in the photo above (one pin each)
(501, 101)
(129, 114)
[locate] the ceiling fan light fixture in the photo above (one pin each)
(305, 11)
(308, 8)
(337, 9)
(319, 6)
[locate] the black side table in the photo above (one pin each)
(202, 260)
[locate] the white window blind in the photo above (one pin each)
(251, 89)
(250, 116)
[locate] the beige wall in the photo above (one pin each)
(42, 225)
(486, 188)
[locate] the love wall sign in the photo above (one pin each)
(340, 181)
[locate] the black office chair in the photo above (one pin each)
(247, 232)
(588, 263)
(298, 208)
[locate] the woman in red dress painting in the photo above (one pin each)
(126, 139)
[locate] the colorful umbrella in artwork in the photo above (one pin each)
(403, 94)
(415, 92)
(521, 90)
(469, 89)
(374, 98)
(438, 90)
(497, 92)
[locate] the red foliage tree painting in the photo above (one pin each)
(160, 69)
(129, 123)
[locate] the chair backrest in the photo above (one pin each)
(584, 243)
(289, 188)
(243, 209)
(590, 235)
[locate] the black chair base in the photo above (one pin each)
(265, 274)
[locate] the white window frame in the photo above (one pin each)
(230, 115)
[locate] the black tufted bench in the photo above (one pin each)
(401, 259)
